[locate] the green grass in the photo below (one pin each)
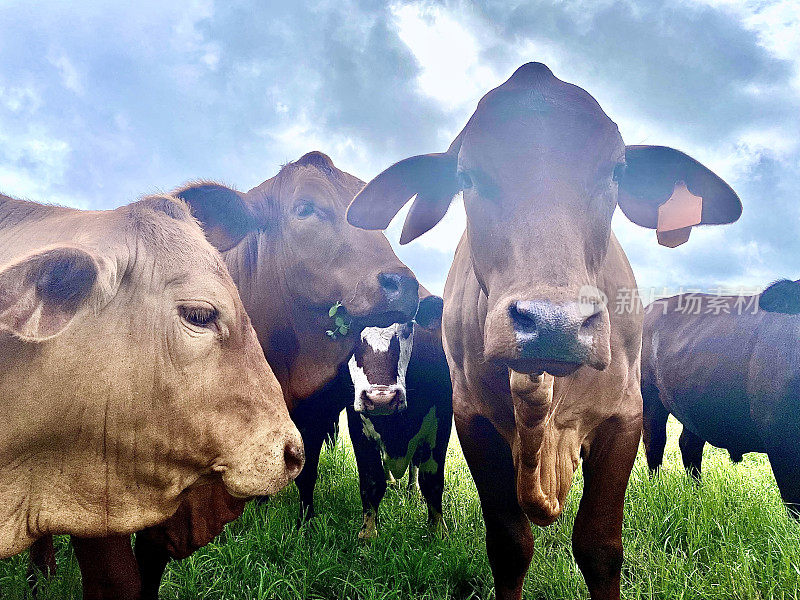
(728, 538)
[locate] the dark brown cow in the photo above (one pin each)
(542, 374)
(728, 369)
(292, 255)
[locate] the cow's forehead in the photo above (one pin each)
(323, 184)
(534, 88)
(379, 338)
(178, 243)
(178, 250)
(540, 113)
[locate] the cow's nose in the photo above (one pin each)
(295, 457)
(381, 395)
(401, 292)
(549, 331)
(381, 400)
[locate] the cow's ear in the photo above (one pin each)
(41, 293)
(222, 212)
(669, 191)
(781, 297)
(429, 312)
(431, 177)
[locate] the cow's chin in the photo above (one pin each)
(530, 366)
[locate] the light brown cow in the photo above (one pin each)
(129, 371)
(292, 254)
(543, 374)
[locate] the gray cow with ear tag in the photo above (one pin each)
(544, 375)
(402, 412)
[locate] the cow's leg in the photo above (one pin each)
(371, 476)
(412, 489)
(317, 418)
(431, 484)
(42, 559)
(654, 428)
(108, 568)
(152, 558)
(431, 474)
(783, 449)
(786, 468)
(597, 533)
(691, 446)
(509, 542)
(313, 438)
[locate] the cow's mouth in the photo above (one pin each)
(381, 402)
(383, 319)
(533, 366)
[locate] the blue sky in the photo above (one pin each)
(101, 103)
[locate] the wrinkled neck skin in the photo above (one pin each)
(302, 356)
(546, 421)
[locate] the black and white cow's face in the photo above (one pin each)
(378, 369)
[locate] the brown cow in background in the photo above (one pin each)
(542, 374)
(292, 255)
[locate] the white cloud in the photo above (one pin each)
(47, 158)
(70, 78)
(777, 23)
(160, 92)
(20, 99)
(447, 52)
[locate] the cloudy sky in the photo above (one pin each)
(101, 103)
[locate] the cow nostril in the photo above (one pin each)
(390, 282)
(400, 293)
(294, 456)
(524, 321)
(368, 404)
(592, 322)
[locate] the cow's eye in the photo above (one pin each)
(464, 180)
(199, 316)
(304, 209)
(619, 171)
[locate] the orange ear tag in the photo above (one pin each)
(678, 215)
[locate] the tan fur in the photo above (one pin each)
(109, 421)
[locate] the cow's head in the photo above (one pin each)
(380, 361)
(137, 345)
(542, 168)
(295, 222)
(783, 296)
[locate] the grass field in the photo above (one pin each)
(728, 538)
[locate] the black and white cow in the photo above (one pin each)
(402, 413)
